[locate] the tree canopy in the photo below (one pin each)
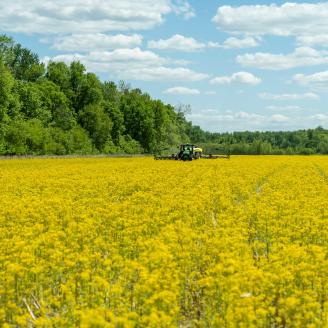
(63, 109)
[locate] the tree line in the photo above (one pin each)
(63, 109)
(303, 142)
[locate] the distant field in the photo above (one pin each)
(106, 242)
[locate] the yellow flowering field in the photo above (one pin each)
(100, 242)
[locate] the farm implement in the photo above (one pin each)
(188, 152)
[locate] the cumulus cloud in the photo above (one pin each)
(289, 96)
(289, 19)
(216, 120)
(162, 73)
(227, 116)
(316, 81)
(118, 58)
(89, 42)
(135, 55)
(180, 43)
(183, 7)
(212, 44)
(313, 40)
(278, 118)
(319, 117)
(182, 91)
(188, 44)
(135, 64)
(284, 108)
(81, 16)
(301, 57)
(237, 43)
(239, 77)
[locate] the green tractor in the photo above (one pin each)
(187, 152)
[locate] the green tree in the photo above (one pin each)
(139, 118)
(24, 64)
(31, 98)
(6, 43)
(77, 75)
(94, 120)
(56, 101)
(111, 93)
(6, 84)
(161, 121)
(90, 91)
(117, 118)
(15, 138)
(59, 73)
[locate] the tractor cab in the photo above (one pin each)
(186, 152)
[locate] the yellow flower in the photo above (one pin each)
(99, 242)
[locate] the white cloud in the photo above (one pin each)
(239, 77)
(180, 43)
(99, 41)
(289, 19)
(248, 116)
(211, 115)
(216, 120)
(177, 42)
(182, 91)
(210, 93)
(284, 108)
(126, 56)
(213, 45)
(301, 57)
(118, 58)
(188, 44)
(134, 64)
(288, 96)
(208, 111)
(319, 117)
(182, 7)
(162, 73)
(316, 81)
(236, 43)
(278, 118)
(313, 40)
(64, 58)
(86, 16)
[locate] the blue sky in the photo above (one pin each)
(241, 65)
